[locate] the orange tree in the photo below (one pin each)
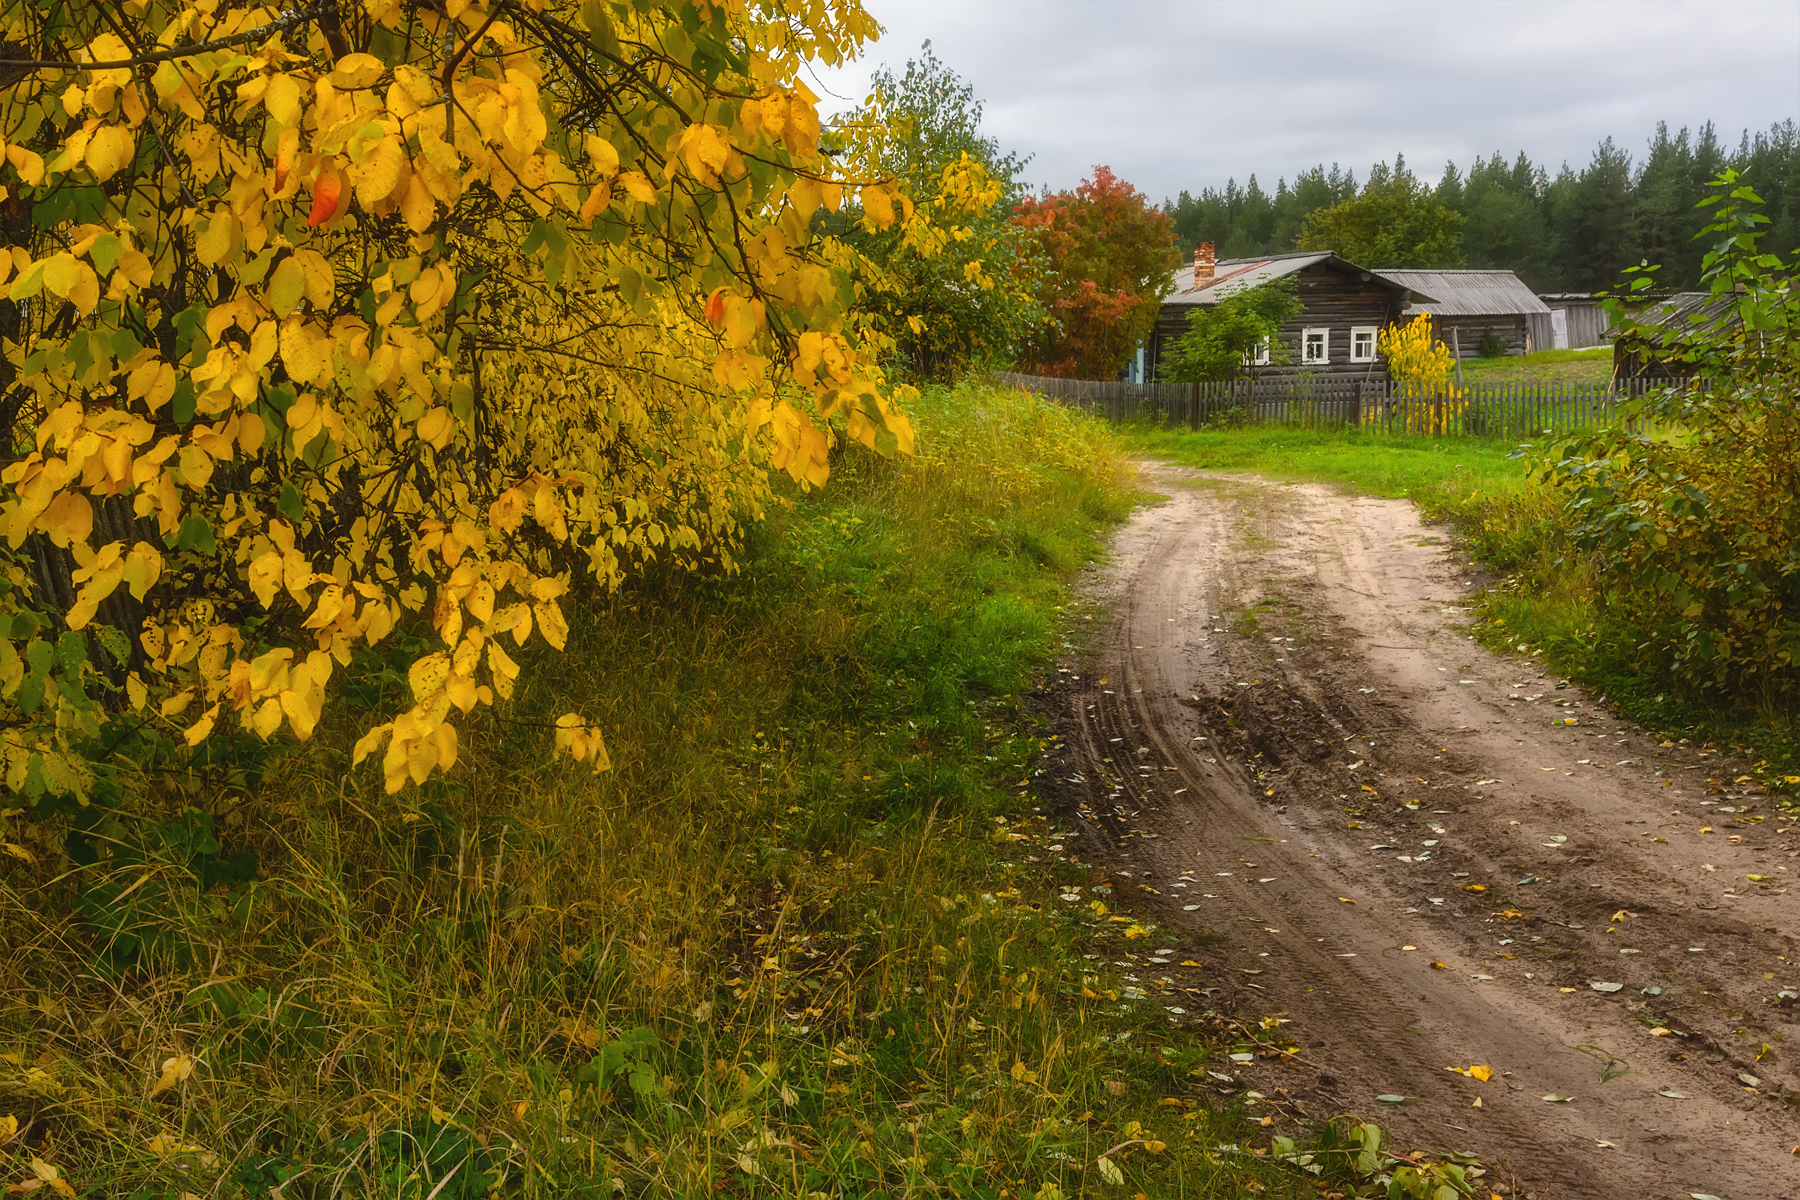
(330, 319)
(1110, 258)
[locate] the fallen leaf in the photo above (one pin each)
(1438, 966)
(1109, 1171)
(1390, 1098)
(1671, 1094)
(1747, 1079)
(1345, 900)
(1477, 1103)
(1553, 1098)
(1483, 1073)
(174, 1070)
(1604, 987)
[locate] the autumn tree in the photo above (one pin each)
(339, 319)
(1395, 221)
(1110, 259)
(961, 289)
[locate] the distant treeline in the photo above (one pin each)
(1575, 231)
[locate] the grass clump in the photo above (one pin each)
(807, 937)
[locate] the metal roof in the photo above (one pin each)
(1234, 275)
(1691, 311)
(1469, 293)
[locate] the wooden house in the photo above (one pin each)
(1468, 307)
(1343, 308)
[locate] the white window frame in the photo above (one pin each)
(1357, 332)
(1306, 346)
(1258, 355)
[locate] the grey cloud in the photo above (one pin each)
(1180, 96)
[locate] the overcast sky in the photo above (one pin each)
(1186, 94)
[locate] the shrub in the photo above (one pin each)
(1693, 502)
(1493, 345)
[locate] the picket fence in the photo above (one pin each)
(1479, 409)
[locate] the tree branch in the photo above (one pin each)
(278, 25)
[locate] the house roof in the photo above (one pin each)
(1469, 293)
(1234, 275)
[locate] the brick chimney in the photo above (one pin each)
(1203, 264)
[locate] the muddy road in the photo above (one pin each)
(1287, 751)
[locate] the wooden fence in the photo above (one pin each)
(1481, 410)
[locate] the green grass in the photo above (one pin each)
(1477, 483)
(805, 938)
(1589, 365)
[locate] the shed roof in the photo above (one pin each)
(1234, 275)
(1469, 293)
(1691, 311)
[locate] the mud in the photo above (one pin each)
(1287, 750)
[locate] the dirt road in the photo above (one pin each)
(1287, 751)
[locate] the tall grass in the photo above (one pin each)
(807, 937)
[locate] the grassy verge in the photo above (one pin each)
(1590, 365)
(810, 936)
(1554, 601)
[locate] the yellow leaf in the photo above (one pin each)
(427, 676)
(282, 100)
(174, 1071)
(287, 284)
(61, 272)
(638, 186)
(47, 1174)
(368, 742)
(219, 240)
(1482, 1073)
(437, 427)
(378, 174)
(152, 381)
(109, 148)
(417, 207)
(601, 153)
(320, 279)
(878, 203)
(69, 519)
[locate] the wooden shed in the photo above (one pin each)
(1576, 322)
(1343, 308)
(1646, 357)
(1470, 306)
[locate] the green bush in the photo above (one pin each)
(1493, 345)
(1693, 502)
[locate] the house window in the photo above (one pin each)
(1362, 344)
(1257, 356)
(1317, 343)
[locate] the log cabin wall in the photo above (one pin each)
(1331, 298)
(1509, 327)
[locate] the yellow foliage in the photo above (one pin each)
(1428, 400)
(342, 338)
